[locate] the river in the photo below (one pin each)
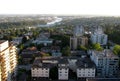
(52, 23)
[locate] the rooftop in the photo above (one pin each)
(44, 62)
(2, 41)
(49, 61)
(105, 53)
(85, 63)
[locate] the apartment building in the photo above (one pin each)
(73, 43)
(85, 68)
(106, 62)
(41, 67)
(63, 69)
(78, 41)
(99, 37)
(0, 73)
(8, 55)
(78, 31)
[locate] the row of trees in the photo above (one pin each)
(21, 24)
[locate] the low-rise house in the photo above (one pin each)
(44, 41)
(55, 51)
(29, 53)
(45, 49)
(17, 40)
(30, 50)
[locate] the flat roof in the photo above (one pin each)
(49, 61)
(105, 53)
(85, 63)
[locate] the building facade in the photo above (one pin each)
(63, 69)
(41, 67)
(85, 68)
(0, 73)
(8, 55)
(78, 31)
(99, 37)
(78, 41)
(106, 63)
(73, 43)
(40, 72)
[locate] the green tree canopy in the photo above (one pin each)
(116, 49)
(66, 51)
(54, 73)
(82, 48)
(97, 47)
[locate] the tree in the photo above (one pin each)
(39, 46)
(54, 73)
(45, 55)
(66, 51)
(21, 46)
(116, 49)
(82, 48)
(97, 47)
(24, 39)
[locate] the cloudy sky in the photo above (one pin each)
(73, 7)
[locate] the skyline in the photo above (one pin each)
(61, 7)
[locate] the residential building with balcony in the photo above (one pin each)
(107, 63)
(8, 59)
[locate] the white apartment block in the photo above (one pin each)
(99, 37)
(78, 31)
(40, 72)
(85, 68)
(8, 60)
(106, 62)
(41, 67)
(63, 69)
(63, 73)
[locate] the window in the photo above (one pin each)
(65, 74)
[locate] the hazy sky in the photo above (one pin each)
(79, 7)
